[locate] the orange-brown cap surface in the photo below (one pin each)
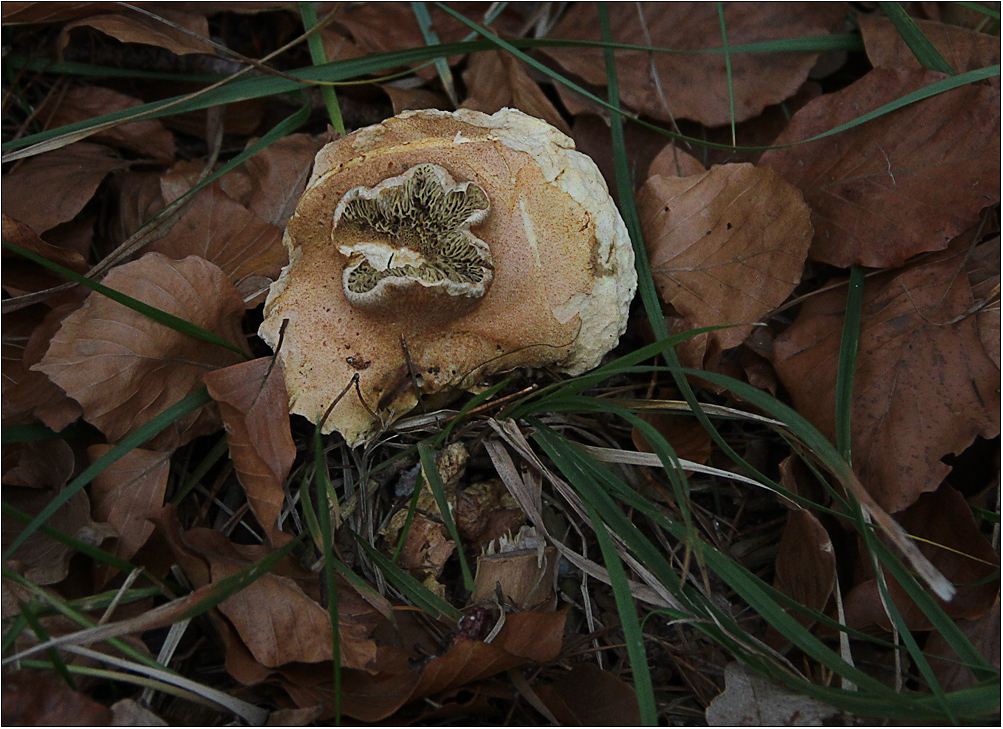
(476, 243)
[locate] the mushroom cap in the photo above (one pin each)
(437, 248)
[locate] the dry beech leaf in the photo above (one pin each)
(753, 700)
(128, 712)
(41, 559)
(900, 185)
(695, 86)
(271, 182)
(589, 696)
(924, 386)
(984, 634)
(497, 79)
(21, 276)
(124, 368)
(47, 12)
(726, 246)
(409, 99)
(135, 28)
(984, 275)
(228, 235)
(806, 562)
(35, 698)
(965, 50)
(255, 407)
(525, 637)
(65, 179)
(275, 618)
(37, 464)
(149, 137)
(128, 492)
(947, 533)
(674, 162)
(28, 395)
(591, 133)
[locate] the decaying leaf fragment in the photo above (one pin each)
(725, 246)
(750, 699)
(924, 385)
(123, 367)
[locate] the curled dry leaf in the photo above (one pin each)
(128, 492)
(149, 137)
(725, 246)
(924, 386)
(255, 408)
(124, 368)
(902, 184)
(947, 533)
(589, 696)
(177, 31)
(65, 179)
(963, 49)
(497, 79)
(671, 86)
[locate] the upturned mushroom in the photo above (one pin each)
(435, 249)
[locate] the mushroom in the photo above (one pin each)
(435, 249)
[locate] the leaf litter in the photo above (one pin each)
(758, 242)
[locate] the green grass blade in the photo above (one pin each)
(847, 366)
(319, 58)
(28, 613)
(215, 453)
(629, 622)
(36, 432)
(917, 41)
(727, 70)
(325, 491)
(442, 501)
(161, 317)
(420, 11)
(189, 404)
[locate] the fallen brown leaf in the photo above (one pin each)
(900, 185)
(695, 86)
(228, 235)
(943, 526)
(984, 633)
(34, 698)
(28, 395)
(124, 368)
(21, 276)
(128, 492)
(37, 464)
(148, 138)
(497, 79)
(725, 246)
(963, 49)
(255, 407)
(42, 559)
(589, 696)
(168, 30)
(806, 562)
(65, 179)
(923, 388)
